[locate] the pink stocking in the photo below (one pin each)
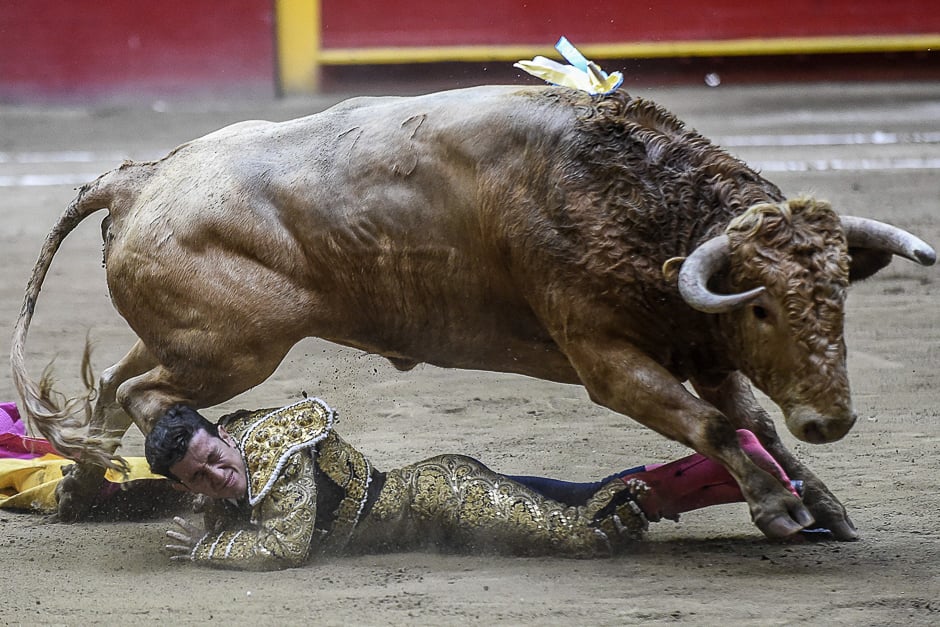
(696, 481)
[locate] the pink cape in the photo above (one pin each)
(14, 442)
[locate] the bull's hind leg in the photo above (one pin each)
(210, 375)
(78, 488)
(735, 399)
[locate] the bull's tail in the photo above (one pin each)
(64, 422)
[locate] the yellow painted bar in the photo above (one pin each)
(300, 54)
(717, 48)
(297, 31)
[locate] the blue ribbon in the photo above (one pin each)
(571, 54)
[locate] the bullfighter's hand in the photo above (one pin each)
(186, 539)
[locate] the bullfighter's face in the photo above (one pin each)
(213, 466)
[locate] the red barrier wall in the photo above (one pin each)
(359, 23)
(71, 49)
(74, 48)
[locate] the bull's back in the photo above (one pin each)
(392, 161)
(365, 222)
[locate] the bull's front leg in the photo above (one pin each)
(734, 397)
(620, 377)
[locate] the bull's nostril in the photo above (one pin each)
(815, 427)
(813, 434)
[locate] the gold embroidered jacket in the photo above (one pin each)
(310, 492)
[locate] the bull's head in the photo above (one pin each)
(789, 266)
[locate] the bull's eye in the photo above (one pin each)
(759, 312)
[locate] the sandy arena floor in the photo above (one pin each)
(712, 568)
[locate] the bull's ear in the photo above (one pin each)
(671, 269)
(866, 262)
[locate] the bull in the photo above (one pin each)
(590, 240)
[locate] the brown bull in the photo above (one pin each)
(581, 239)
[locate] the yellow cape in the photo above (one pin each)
(29, 484)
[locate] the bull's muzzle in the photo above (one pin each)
(811, 426)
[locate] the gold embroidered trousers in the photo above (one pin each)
(456, 502)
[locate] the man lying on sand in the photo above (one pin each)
(287, 488)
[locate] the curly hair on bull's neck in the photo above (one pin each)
(641, 185)
(168, 441)
(626, 188)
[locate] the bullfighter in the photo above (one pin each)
(285, 487)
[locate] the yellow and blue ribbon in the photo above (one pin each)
(581, 73)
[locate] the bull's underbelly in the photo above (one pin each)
(452, 316)
(527, 358)
(465, 330)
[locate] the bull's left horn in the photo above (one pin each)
(704, 261)
(866, 233)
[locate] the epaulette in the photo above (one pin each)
(270, 440)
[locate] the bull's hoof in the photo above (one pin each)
(76, 492)
(780, 528)
(800, 523)
(840, 529)
(786, 524)
(846, 532)
(831, 517)
(824, 534)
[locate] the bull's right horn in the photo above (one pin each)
(866, 233)
(705, 261)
